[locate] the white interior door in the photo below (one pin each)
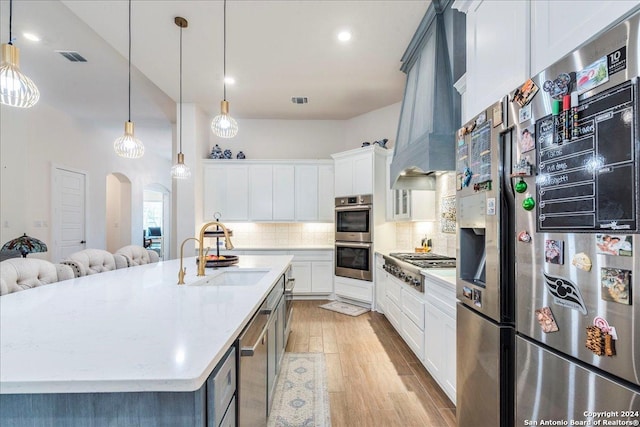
(69, 212)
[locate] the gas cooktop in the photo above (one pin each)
(407, 266)
(426, 259)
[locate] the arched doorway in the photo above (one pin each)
(156, 219)
(118, 215)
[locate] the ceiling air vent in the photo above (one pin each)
(299, 99)
(72, 56)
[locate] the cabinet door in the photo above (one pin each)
(322, 277)
(553, 35)
(363, 173)
(401, 204)
(306, 198)
(381, 285)
(343, 178)
(301, 271)
(326, 200)
(235, 207)
(449, 371)
(215, 190)
(493, 29)
(423, 205)
(283, 192)
(261, 192)
(435, 351)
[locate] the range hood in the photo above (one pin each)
(430, 109)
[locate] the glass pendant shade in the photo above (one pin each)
(223, 125)
(128, 145)
(180, 170)
(16, 89)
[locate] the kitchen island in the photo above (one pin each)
(129, 346)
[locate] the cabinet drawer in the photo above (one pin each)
(354, 289)
(221, 388)
(394, 290)
(393, 313)
(229, 419)
(412, 335)
(413, 308)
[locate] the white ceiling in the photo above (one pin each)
(275, 50)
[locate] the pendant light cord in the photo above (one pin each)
(181, 89)
(224, 50)
(129, 60)
(10, 19)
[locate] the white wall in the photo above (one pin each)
(34, 139)
(373, 126)
(284, 139)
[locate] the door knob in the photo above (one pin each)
(83, 241)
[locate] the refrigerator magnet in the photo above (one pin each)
(592, 75)
(525, 93)
(546, 320)
(582, 261)
(615, 285)
(527, 139)
(617, 245)
(554, 251)
(565, 293)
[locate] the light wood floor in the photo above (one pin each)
(374, 379)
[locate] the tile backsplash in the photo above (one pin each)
(410, 234)
(284, 235)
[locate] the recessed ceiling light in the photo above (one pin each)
(344, 36)
(229, 80)
(32, 37)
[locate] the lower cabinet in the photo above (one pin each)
(359, 290)
(380, 279)
(221, 391)
(427, 323)
(313, 271)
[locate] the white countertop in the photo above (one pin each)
(128, 330)
(446, 276)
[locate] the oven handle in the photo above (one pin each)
(352, 208)
(350, 244)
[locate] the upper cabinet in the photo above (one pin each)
(361, 171)
(497, 51)
(553, 35)
(510, 41)
(268, 190)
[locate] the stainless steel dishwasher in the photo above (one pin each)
(252, 392)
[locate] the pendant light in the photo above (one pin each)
(180, 170)
(128, 145)
(223, 125)
(16, 89)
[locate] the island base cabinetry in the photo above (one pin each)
(212, 405)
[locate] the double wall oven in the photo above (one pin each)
(354, 237)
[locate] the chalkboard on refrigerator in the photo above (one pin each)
(589, 184)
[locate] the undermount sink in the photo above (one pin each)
(236, 277)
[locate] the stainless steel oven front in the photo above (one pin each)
(354, 219)
(354, 260)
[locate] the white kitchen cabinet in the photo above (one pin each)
(326, 198)
(354, 171)
(497, 51)
(306, 196)
(380, 279)
(553, 35)
(440, 333)
(284, 192)
(358, 290)
(261, 192)
(322, 277)
(301, 271)
(268, 190)
(413, 205)
(225, 191)
(405, 310)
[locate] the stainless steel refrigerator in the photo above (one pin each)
(485, 271)
(575, 174)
